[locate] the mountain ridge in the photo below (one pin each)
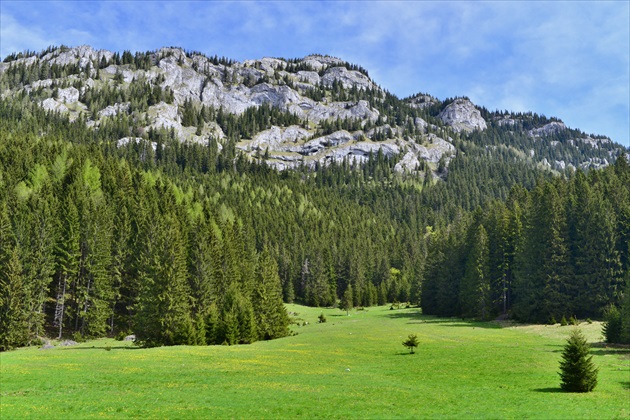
(326, 110)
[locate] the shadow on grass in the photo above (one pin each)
(416, 317)
(625, 385)
(618, 352)
(102, 348)
(602, 348)
(596, 350)
(549, 390)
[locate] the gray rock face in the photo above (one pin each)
(126, 140)
(127, 75)
(594, 163)
(422, 101)
(507, 121)
(277, 96)
(275, 137)
(462, 115)
(318, 62)
(310, 77)
(436, 148)
(322, 143)
(166, 116)
(420, 123)
(51, 104)
(112, 110)
(347, 78)
(408, 163)
(545, 130)
(69, 95)
(361, 150)
(82, 55)
(594, 143)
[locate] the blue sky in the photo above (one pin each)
(565, 59)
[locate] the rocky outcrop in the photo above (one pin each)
(275, 137)
(594, 143)
(69, 95)
(347, 78)
(422, 101)
(510, 122)
(547, 129)
(111, 110)
(83, 55)
(408, 163)
(164, 115)
(126, 140)
(461, 115)
(51, 104)
(113, 70)
(309, 77)
(435, 149)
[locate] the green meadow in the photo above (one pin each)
(349, 367)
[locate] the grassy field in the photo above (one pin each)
(349, 367)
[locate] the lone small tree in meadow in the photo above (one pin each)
(346, 300)
(578, 373)
(411, 342)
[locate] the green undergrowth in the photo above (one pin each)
(348, 367)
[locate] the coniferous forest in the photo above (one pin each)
(190, 243)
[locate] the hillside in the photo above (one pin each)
(289, 113)
(183, 198)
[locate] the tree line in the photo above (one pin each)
(559, 250)
(90, 246)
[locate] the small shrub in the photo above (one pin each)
(578, 373)
(574, 321)
(589, 320)
(552, 320)
(612, 325)
(411, 342)
(322, 318)
(563, 321)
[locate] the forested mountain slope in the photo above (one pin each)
(309, 111)
(138, 193)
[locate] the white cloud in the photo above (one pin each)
(15, 37)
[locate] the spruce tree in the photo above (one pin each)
(14, 328)
(411, 342)
(578, 373)
(67, 255)
(271, 316)
(612, 326)
(475, 288)
(625, 312)
(346, 301)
